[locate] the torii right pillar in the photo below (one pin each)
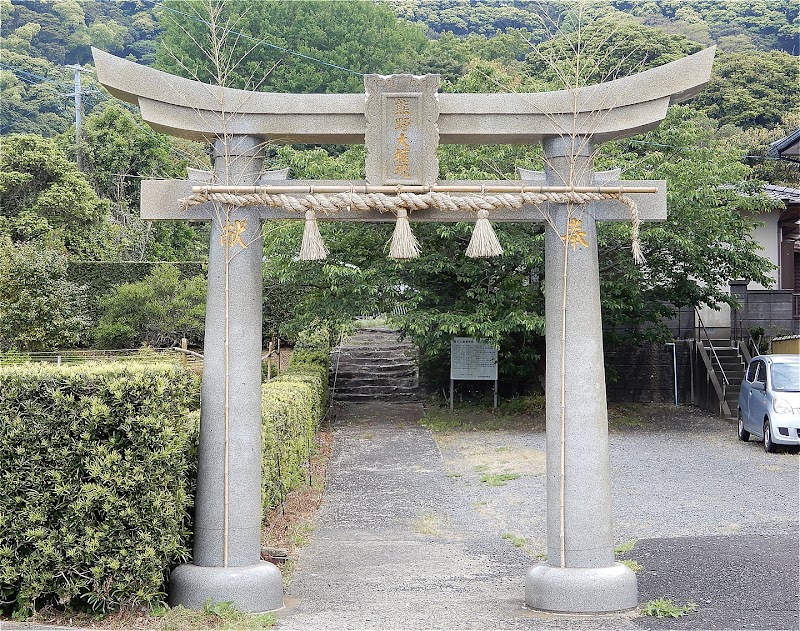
(580, 574)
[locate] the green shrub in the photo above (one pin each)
(312, 347)
(158, 310)
(101, 277)
(97, 478)
(292, 407)
(39, 308)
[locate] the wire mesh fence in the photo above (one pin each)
(78, 356)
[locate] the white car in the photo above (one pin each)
(769, 400)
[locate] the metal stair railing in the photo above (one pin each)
(721, 389)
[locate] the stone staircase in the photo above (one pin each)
(374, 365)
(733, 365)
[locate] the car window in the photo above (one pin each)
(751, 372)
(786, 377)
(761, 375)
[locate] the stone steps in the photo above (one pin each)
(733, 365)
(374, 364)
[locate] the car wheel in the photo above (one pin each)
(743, 433)
(769, 446)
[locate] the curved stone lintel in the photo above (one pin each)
(614, 109)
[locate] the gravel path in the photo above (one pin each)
(680, 473)
(417, 533)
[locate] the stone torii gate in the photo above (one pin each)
(401, 121)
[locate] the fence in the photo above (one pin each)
(74, 357)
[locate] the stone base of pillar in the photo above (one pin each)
(252, 588)
(581, 589)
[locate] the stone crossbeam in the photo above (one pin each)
(160, 202)
(606, 111)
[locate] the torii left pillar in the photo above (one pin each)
(227, 563)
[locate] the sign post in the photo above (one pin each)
(472, 360)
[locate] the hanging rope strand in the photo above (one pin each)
(405, 202)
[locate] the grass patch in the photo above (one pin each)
(499, 479)
(482, 418)
(515, 540)
(214, 616)
(532, 404)
(665, 608)
(440, 422)
(629, 415)
(625, 547)
(428, 524)
(298, 533)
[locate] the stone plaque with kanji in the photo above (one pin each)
(401, 132)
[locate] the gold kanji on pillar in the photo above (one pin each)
(576, 235)
(232, 233)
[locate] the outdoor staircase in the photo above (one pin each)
(374, 365)
(733, 365)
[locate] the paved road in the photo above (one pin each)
(411, 538)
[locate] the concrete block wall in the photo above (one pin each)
(644, 373)
(770, 309)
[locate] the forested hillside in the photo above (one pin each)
(89, 214)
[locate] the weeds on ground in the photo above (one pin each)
(428, 524)
(516, 540)
(520, 412)
(499, 479)
(625, 547)
(531, 404)
(214, 616)
(665, 608)
(159, 617)
(635, 566)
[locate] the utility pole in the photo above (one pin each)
(77, 70)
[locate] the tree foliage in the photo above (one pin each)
(349, 37)
(763, 24)
(39, 308)
(603, 50)
(752, 89)
(64, 30)
(158, 311)
(45, 198)
(707, 238)
(120, 151)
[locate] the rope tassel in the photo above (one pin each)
(404, 243)
(484, 241)
(313, 247)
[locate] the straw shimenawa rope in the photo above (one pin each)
(407, 202)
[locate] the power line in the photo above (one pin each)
(39, 77)
(269, 44)
(659, 144)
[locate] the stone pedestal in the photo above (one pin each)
(227, 562)
(588, 580)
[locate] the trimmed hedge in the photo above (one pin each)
(98, 468)
(292, 407)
